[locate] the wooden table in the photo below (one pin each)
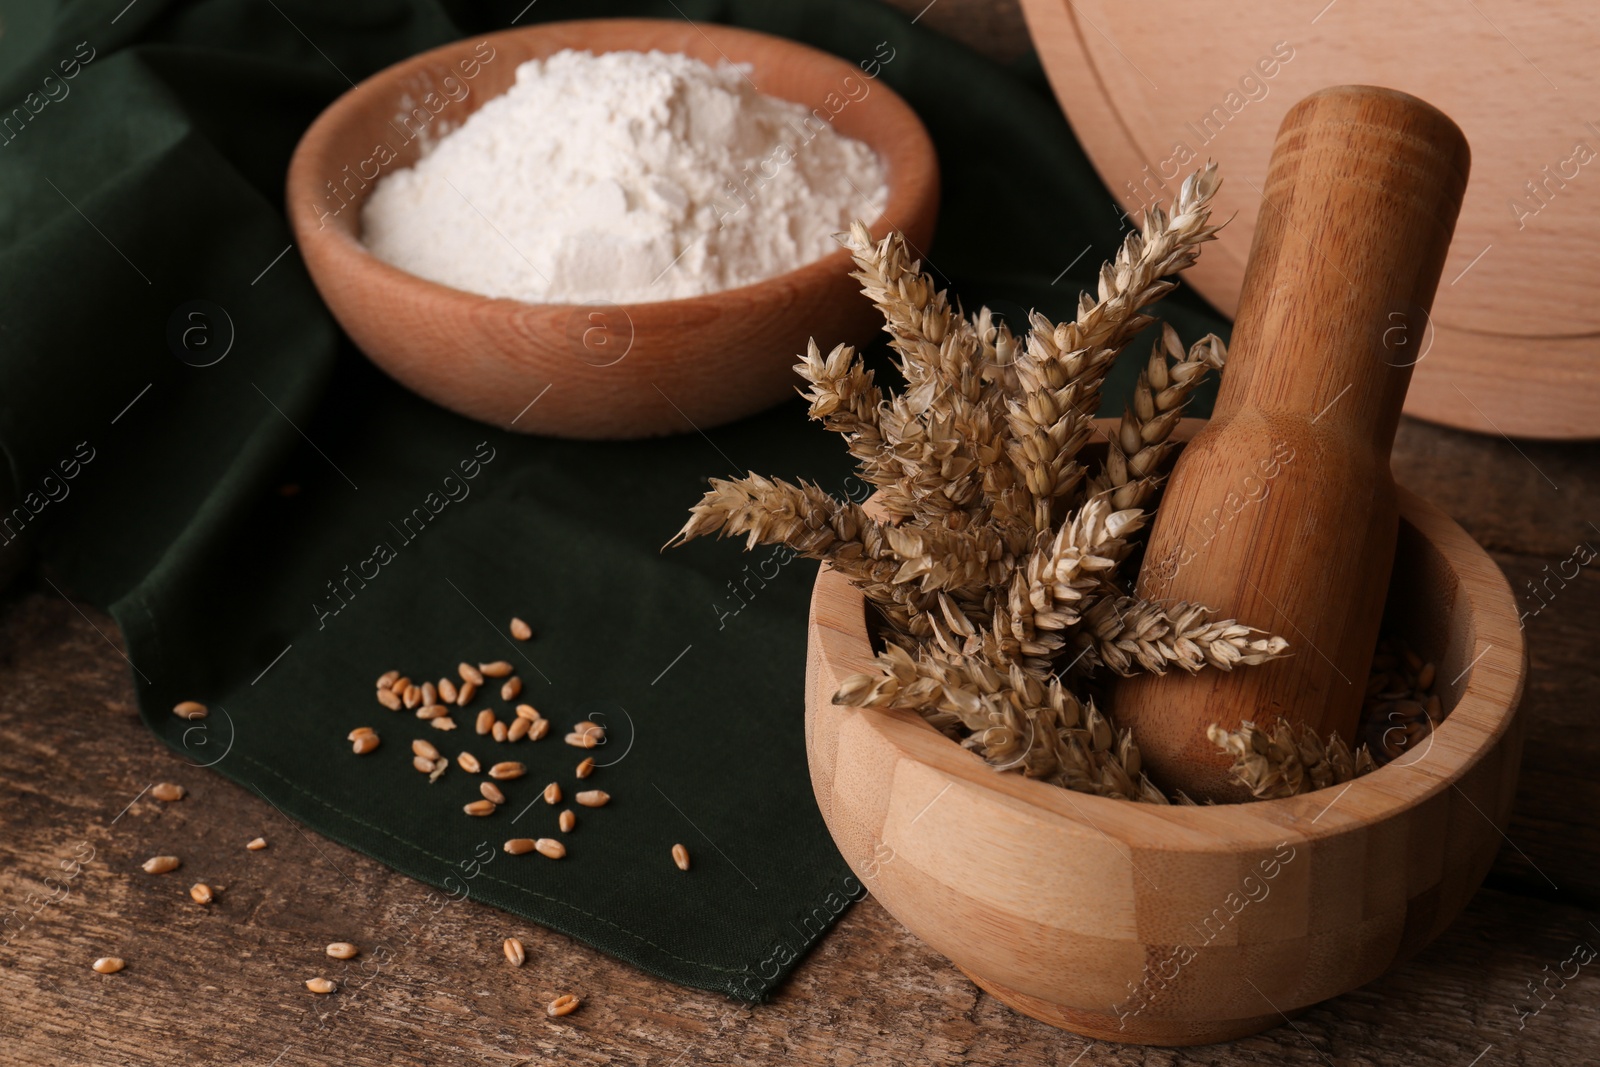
(223, 984)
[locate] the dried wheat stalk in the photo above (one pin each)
(1288, 759)
(1400, 710)
(992, 551)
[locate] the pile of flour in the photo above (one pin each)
(624, 177)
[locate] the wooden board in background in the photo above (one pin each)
(1516, 344)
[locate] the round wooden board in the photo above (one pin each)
(1515, 344)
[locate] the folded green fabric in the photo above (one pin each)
(194, 445)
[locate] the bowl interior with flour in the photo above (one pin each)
(629, 220)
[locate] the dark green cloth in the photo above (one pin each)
(151, 179)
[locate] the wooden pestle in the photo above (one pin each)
(1281, 512)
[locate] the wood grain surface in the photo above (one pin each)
(224, 984)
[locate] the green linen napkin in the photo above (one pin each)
(194, 445)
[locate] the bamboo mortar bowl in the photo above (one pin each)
(1184, 925)
(612, 370)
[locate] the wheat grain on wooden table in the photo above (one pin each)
(225, 982)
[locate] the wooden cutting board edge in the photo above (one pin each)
(1553, 394)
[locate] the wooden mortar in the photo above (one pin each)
(1158, 924)
(1282, 512)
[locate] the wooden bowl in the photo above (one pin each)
(612, 371)
(1183, 925)
(1514, 340)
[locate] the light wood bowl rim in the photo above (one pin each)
(912, 172)
(1481, 717)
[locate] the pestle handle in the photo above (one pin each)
(1282, 511)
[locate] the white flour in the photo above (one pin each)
(624, 177)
